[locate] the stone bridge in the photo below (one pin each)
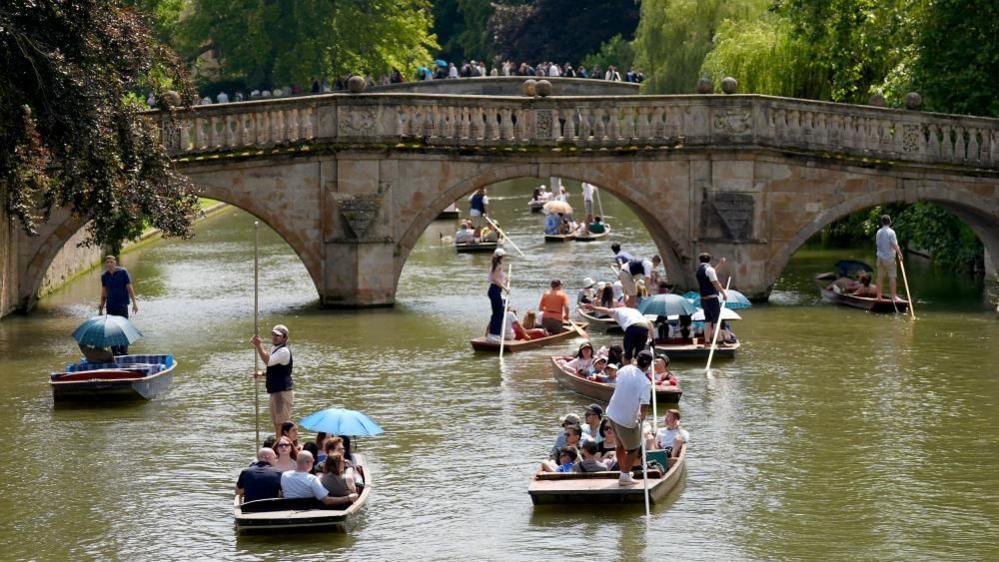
(352, 180)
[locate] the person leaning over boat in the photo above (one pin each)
(116, 290)
(887, 249)
(260, 481)
(301, 483)
(554, 307)
(626, 411)
(635, 325)
(497, 285)
(278, 382)
(709, 288)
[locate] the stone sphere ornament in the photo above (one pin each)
(543, 88)
(171, 98)
(705, 86)
(877, 100)
(529, 88)
(356, 84)
(913, 100)
(730, 85)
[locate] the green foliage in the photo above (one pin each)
(760, 53)
(70, 133)
(162, 16)
(282, 42)
(559, 30)
(674, 36)
(616, 51)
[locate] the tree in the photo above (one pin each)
(70, 130)
(616, 52)
(280, 42)
(560, 30)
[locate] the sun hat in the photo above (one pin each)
(280, 330)
(499, 252)
(588, 282)
(569, 418)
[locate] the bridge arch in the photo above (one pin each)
(979, 213)
(667, 230)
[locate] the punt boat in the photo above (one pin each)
(477, 247)
(602, 487)
(450, 213)
(558, 237)
(565, 376)
(695, 348)
(599, 321)
(831, 285)
(535, 205)
(283, 515)
(125, 377)
(511, 346)
(591, 236)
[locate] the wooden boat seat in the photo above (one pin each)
(675, 341)
(287, 504)
(101, 374)
(592, 475)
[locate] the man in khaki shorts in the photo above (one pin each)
(887, 248)
(632, 392)
(279, 384)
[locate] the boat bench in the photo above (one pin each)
(286, 504)
(593, 475)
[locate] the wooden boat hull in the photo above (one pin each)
(490, 346)
(558, 237)
(301, 520)
(448, 215)
(478, 247)
(591, 237)
(698, 351)
(605, 323)
(535, 206)
(112, 384)
(603, 391)
(602, 487)
(825, 280)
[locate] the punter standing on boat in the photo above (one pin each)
(279, 384)
(625, 410)
(709, 288)
(497, 285)
(887, 248)
(116, 290)
(479, 207)
(588, 189)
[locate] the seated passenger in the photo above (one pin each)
(565, 225)
(464, 235)
(591, 459)
(582, 363)
(587, 295)
(866, 289)
(609, 375)
(520, 329)
(565, 421)
(615, 354)
(599, 369)
(339, 479)
(311, 448)
(552, 223)
(287, 454)
(607, 297)
(261, 480)
(608, 447)
(573, 436)
(593, 416)
(566, 459)
(301, 483)
(488, 234)
(663, 374)
(290, 430)
(671, 437)
(597, 226)
(321, 445)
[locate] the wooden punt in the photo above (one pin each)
(448, 215)
(535, 205)
(283, 515)
(484, 344)
(591, 237)
(558, 237)
(605, 323)
(602, 487)
(827, 283)
(129, 377)
(602, 391)
(476, 247)
(678, 348)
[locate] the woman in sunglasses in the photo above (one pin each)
(287, 454)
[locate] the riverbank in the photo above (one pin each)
(74, 259)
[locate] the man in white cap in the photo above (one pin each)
(587, 294)
(279, 384)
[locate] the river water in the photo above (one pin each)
(835, 433)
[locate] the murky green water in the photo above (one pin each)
(835, 434)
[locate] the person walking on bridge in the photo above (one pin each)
(278, 382)
(887, 248)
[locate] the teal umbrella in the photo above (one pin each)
(736, 300)
(340, 421)
(666, 305)
(106, 331)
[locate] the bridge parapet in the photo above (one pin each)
(589, 122)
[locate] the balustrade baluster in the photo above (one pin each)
(973, 146)
(600, 125)
(627, 129)
(642, 125)
(960, 145)
(476, 123)
(491, 125)
(465, 126)
(585, 115)
(613, 124)
(506, 126)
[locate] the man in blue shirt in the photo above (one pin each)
(116, 291)
(261, 480)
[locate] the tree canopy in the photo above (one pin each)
(282, 42)
(70, 130)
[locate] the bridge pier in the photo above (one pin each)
(358, 274)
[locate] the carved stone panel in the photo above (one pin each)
(356, 121)
(732, 122)
(358, 211)
(730, 212)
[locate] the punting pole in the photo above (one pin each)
(652, 374)
(600, 204)
(645, 476)
(256, 329)
(506, 308)
(503, 234)
(714, 336)
(905, 279)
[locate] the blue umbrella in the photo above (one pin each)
(736, 300)
(340, 421)
(106, 331)
(440, 63)
(666, 305)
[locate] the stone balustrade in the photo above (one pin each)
(588, 122)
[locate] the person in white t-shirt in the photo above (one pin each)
(635, 325)
(301, 483)
(626, 410)
(672, 436)
(887, 247)
(588, 190)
